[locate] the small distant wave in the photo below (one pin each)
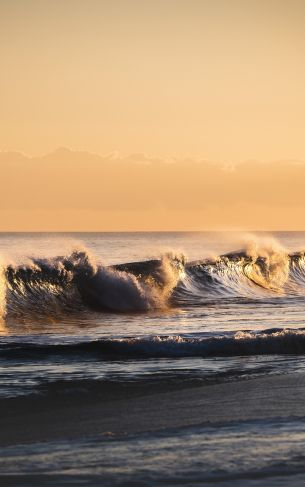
(75, 283)
(268, 342)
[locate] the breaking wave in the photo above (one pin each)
(255, 273)
(76, 282)
(73, 283)
(267, 342)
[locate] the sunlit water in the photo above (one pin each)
(228, 320)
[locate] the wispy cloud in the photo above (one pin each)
(81, 181)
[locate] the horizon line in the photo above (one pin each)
(151, 231)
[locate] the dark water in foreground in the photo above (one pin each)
(207, 308)
(269, 453)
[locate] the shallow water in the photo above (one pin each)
(210, 307)
(264, 453)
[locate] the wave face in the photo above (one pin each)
(243, 275)
(73, 283)
(76, 282)
(267, 342)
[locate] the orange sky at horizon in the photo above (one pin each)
(77, 191)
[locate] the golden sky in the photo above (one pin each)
(181, 80)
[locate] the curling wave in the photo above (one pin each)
(76, 282)
(243, 275)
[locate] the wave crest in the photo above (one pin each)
(65, 284)
(267, 342)
(76, 281)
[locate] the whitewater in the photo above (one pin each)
(99, 317)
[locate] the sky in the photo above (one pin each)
(215, 81)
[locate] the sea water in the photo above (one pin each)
(79, 311)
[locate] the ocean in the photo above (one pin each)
(147, 359)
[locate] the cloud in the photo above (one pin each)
(81, 181)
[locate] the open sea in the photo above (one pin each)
(81, 313)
